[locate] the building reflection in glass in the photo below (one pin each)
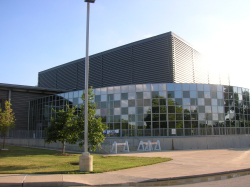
(157, 109)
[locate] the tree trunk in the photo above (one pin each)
(3, 141)
(63, 148)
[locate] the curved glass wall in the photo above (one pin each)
(166, 109)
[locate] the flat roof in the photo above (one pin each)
(33, 89)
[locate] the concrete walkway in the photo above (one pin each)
(185, 163)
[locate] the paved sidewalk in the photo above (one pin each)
(185, 163)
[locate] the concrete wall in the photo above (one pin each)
(175, 143)
(41, 144)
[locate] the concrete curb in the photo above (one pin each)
(196, 176)
(39, 183)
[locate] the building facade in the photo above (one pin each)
(20, 96)
(164, 109)
(164, 58)
(159, 86)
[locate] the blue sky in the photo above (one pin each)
(36, 35)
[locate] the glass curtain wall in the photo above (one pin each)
(166, 109)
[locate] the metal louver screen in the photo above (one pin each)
(95, 72)
(183, 62)
(66, 77)
(164, 58)
(200, 68)
(80, 75)
(152, 62)
(190, 66)
(47, 80)
(145, 61)
(117, 67)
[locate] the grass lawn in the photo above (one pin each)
(19, 160)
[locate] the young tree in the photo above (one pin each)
(63, 128)
(95, 125)
(7, 120)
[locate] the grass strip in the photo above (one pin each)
(26, 160)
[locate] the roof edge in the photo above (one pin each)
(111, 50)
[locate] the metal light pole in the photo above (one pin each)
(86, 84)
(86, 161)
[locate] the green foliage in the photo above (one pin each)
(7, 120)
(95, 125)
(68, 127)
(63, 128)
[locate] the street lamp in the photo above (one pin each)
(86, 160)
